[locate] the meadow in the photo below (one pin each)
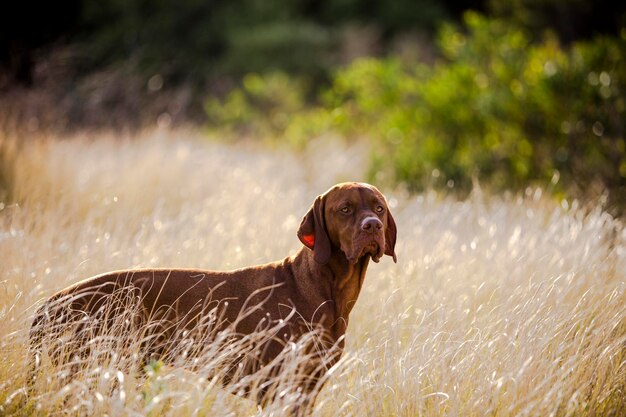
(510, 305)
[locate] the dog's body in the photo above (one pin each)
(312, 290)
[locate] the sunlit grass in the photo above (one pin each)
(497, 306)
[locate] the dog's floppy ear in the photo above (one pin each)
(312, 232)
(390, 237)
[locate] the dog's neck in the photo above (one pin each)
(342, 284)
(347, 280)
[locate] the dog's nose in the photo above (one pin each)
(371, 224)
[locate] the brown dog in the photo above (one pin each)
(315, 289)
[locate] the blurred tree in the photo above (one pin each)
(192, 38)
(174, 38)
(391, 17)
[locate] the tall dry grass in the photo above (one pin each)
(497, 306)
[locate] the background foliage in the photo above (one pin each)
(497, 106)
(523, 91)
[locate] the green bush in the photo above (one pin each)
(498, 106)
(259, 109)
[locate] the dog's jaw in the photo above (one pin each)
(372, 245)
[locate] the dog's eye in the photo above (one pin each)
(379, 209)
(345, 209)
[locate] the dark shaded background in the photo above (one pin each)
(522, 92)
(192, 40)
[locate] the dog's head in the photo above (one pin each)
(353, 218)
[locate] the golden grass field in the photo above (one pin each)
(498, 306)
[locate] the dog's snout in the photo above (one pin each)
(371, 224)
